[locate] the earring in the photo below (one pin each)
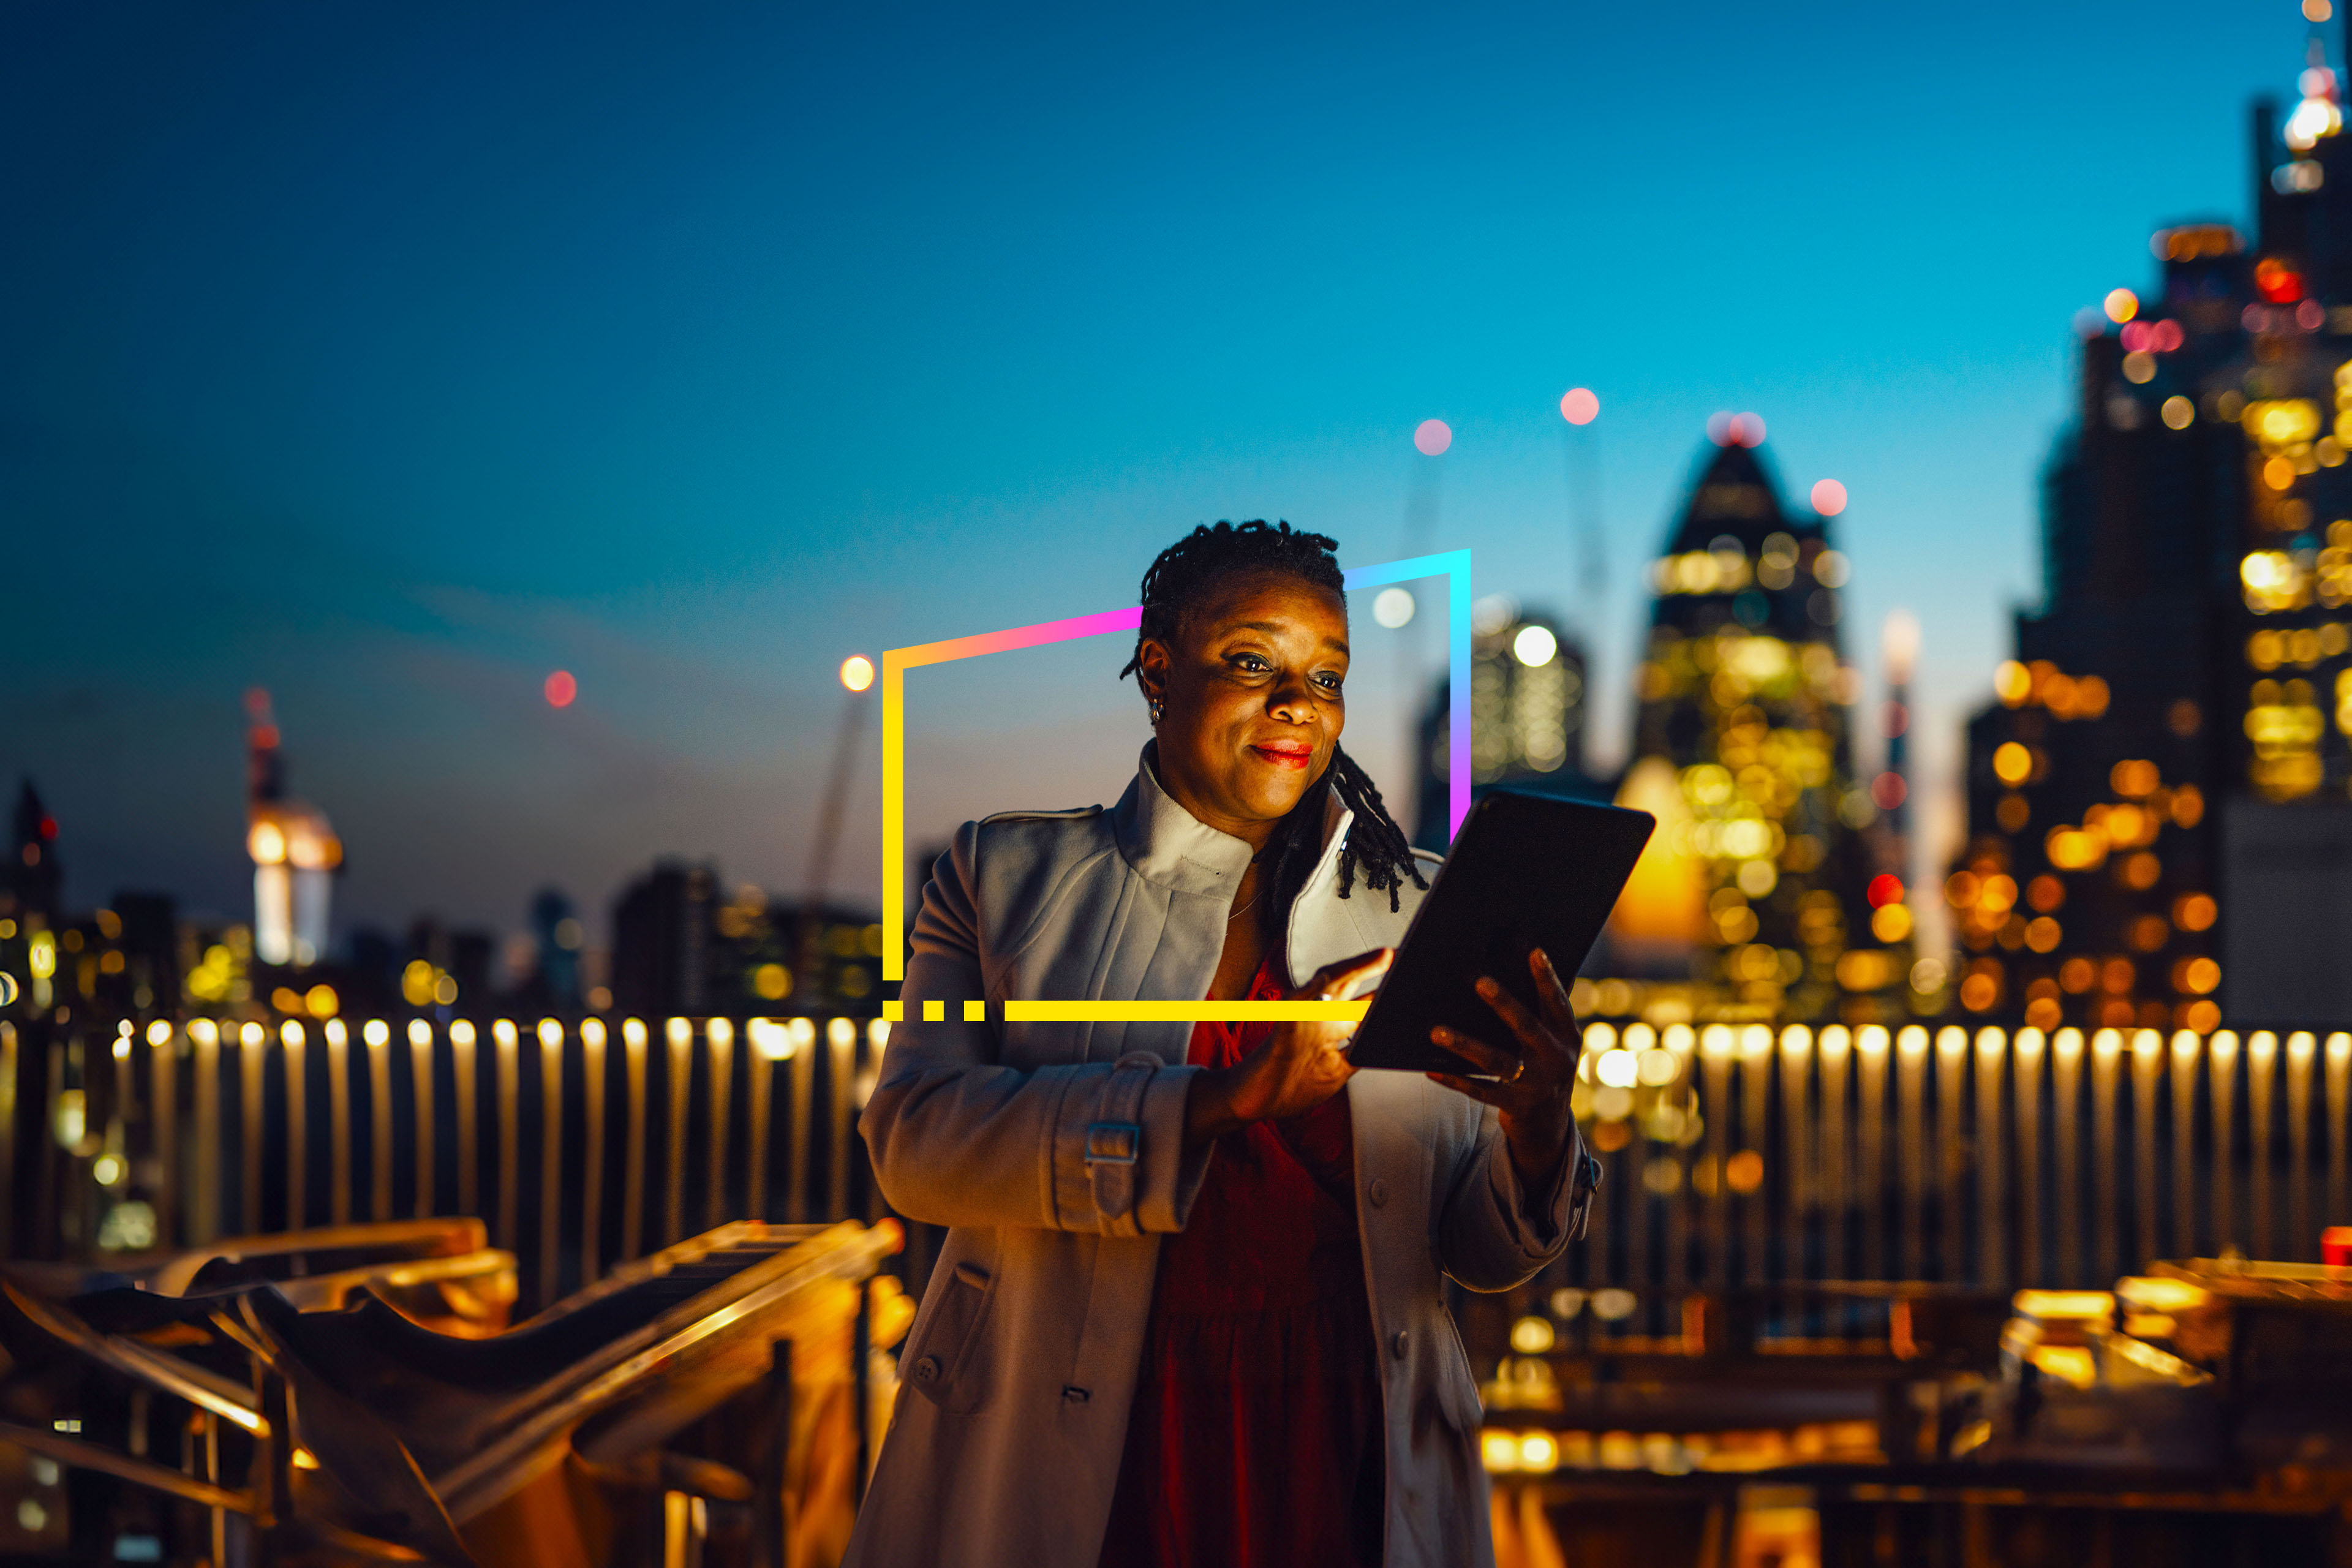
(1157, 709)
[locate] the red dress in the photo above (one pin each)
(1256, 1435)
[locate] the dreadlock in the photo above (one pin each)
(1180, 580)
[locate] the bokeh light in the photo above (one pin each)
(562, 688)
(1432, 437)
(2121, 304)
(1718, 429)
(1829, 497)
(1748, 429)
(857, 672)
(1393, 607)
(1579, 407)
(1534, 647)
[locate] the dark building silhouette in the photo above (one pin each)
(2160, 827)
(373, 973)
(30, 883)
(31, 880)
(448, 969)
(471, 956)
(557, 937)
(147, 938)
(680, 945)
(662, 932)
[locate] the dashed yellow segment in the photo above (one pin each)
(1040, 1011)
(975, 1012)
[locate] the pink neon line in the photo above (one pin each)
(1044, 632)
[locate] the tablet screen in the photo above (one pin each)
(1526, 871)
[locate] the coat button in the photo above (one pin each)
(927, 1369)
(1074, 1394)
(1380, 1193)
(1400, 1344)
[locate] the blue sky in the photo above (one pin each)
(390, 357)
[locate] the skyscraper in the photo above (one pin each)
(295, 852)
(1526, 713)
(2158, 826)
(1759, 886)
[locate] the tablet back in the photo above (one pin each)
(1526, 872)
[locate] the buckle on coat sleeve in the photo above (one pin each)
(1113, 1142)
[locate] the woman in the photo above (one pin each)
(1189, 1307)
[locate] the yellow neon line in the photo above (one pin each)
(894, 817)
(1043, 1011)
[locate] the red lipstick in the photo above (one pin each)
(1285, 753)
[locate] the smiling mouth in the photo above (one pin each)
(1285, 753)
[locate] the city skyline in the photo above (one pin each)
(351, 469)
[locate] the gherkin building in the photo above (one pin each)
(1762, 882)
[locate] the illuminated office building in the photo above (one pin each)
(2161, 801)
(295, 853)
(1526, 714)
(1759, 886)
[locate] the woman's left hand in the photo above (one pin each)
(1532, 1085)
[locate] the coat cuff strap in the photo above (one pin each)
(1115, 1144)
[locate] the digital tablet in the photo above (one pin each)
(1526, 872)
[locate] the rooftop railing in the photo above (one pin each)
(1745, 1157)
(584, 1143)
(1737, 1157)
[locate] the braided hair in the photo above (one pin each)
(1180, 579)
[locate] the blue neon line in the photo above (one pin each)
(1455, 566)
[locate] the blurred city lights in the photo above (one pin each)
(857, 672)
(1735, 429)
(1898, 638)
(2121, 304)
(1829, 497)
(1492, 612)
(2315, 117)
(562, 688)
(1432, 437)
(2276, 282)
(1534, 647)
(1393, 607)
(1579, 407)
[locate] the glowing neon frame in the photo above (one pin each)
(1452, 564)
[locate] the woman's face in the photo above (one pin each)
(1253, 707)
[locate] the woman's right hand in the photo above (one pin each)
(1296, 1067)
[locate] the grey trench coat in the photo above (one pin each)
(1053, 1152)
